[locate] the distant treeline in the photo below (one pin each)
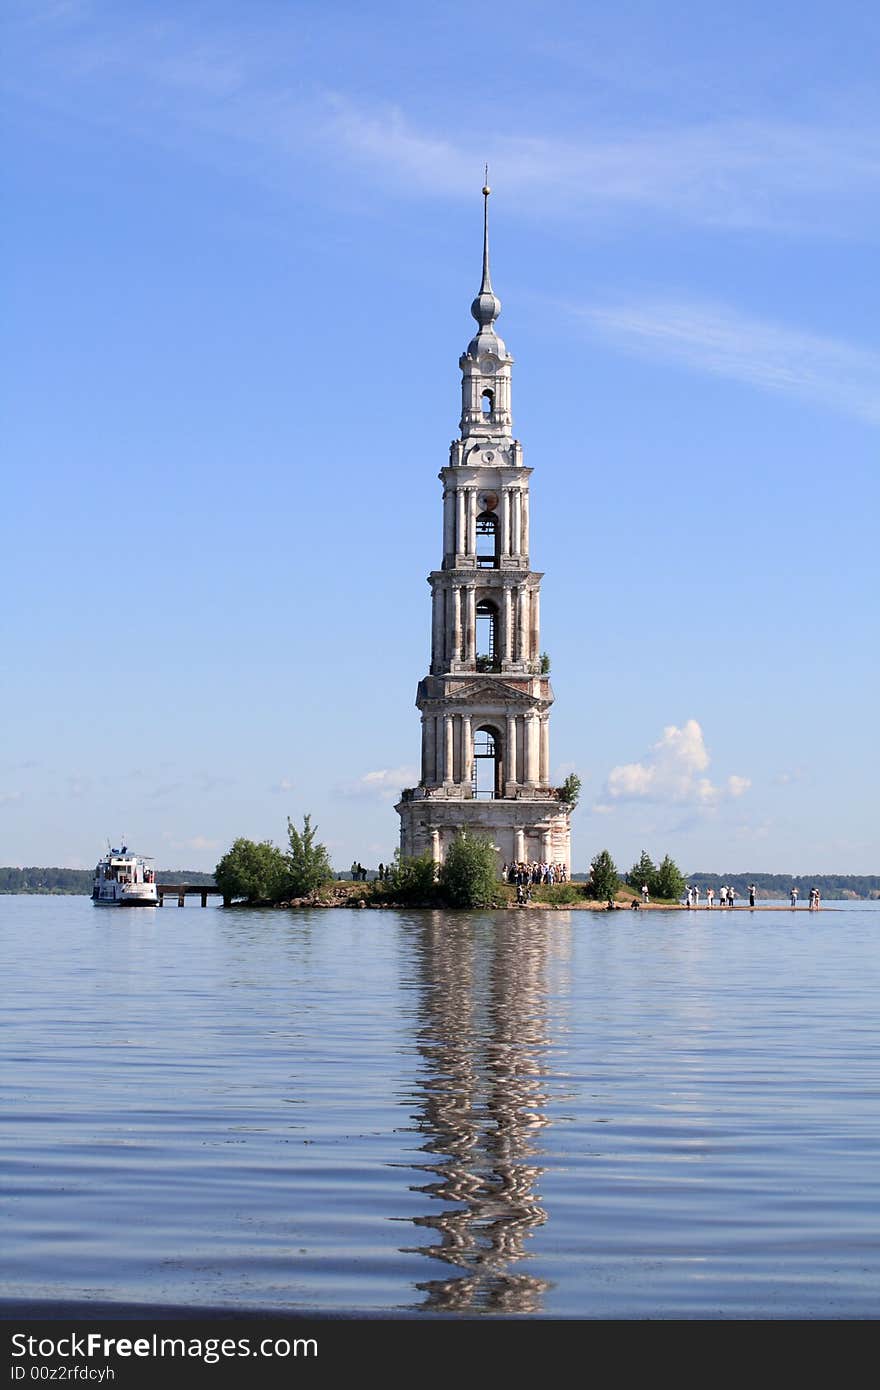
(80, 880)
(780, 885)
(768, 885)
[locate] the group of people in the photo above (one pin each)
(726, 895)
(524, 874)
(814, 897)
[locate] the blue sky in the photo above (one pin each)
(240, 247)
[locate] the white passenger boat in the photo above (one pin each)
(123, 879)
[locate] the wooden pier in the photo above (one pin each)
(184, 890)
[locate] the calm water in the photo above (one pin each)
(559, 1114)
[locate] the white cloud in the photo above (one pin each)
(199, 842)
(737, 786)
(384, 784)
(671, 773)
(196, 842)
(285, 785)
(8, 798)
(716, 339)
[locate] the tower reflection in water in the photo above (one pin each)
(482, 1035)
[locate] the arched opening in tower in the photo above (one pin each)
(487, 402)
(488, 537)
(486, 781)
(487, 630)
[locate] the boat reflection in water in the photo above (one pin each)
(482, 1036)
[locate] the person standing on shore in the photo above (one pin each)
(752, 894)
(645, 893)
(794, 895)
(722, 895)
(710, 897)
(731, 895)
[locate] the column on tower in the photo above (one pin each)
(521, 643)
(510, 760)
(470, 653)
(507, 626)
(448, 525)
(429, 752)
(461, 527)
(545, 751)
(437, 628)
(467, 751)
(471, 521)
(532, 749)
(448, 748)
(455, 625)
(535, 633)
(524, 522)
(506, 548)
(516, 539)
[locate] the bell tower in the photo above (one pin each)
(485, 705)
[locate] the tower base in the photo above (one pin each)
(533, 831)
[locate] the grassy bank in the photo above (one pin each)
(556, 896)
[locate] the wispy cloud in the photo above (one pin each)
(9, 798)
(672, 772)
(721, 341)
(195, 842)
(284, 785)
(759, 173)
(250, 84)
(385, 784)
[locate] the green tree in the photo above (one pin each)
(307, 863)
(570, 791)
(412, 879)
(643, 872)
(469, 873)
(668, 881)
(256, 872)
(604, 878)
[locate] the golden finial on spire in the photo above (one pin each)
(486, 189)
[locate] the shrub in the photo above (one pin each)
(643, 872)
(570, 790)
(308, 866)
(469, 873)
(412, 879)
(604, 878)
(562, 893)
(668, 881)
(256, 872)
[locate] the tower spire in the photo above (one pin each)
(487, 306)
(486, 287)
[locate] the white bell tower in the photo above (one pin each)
(485, 705)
